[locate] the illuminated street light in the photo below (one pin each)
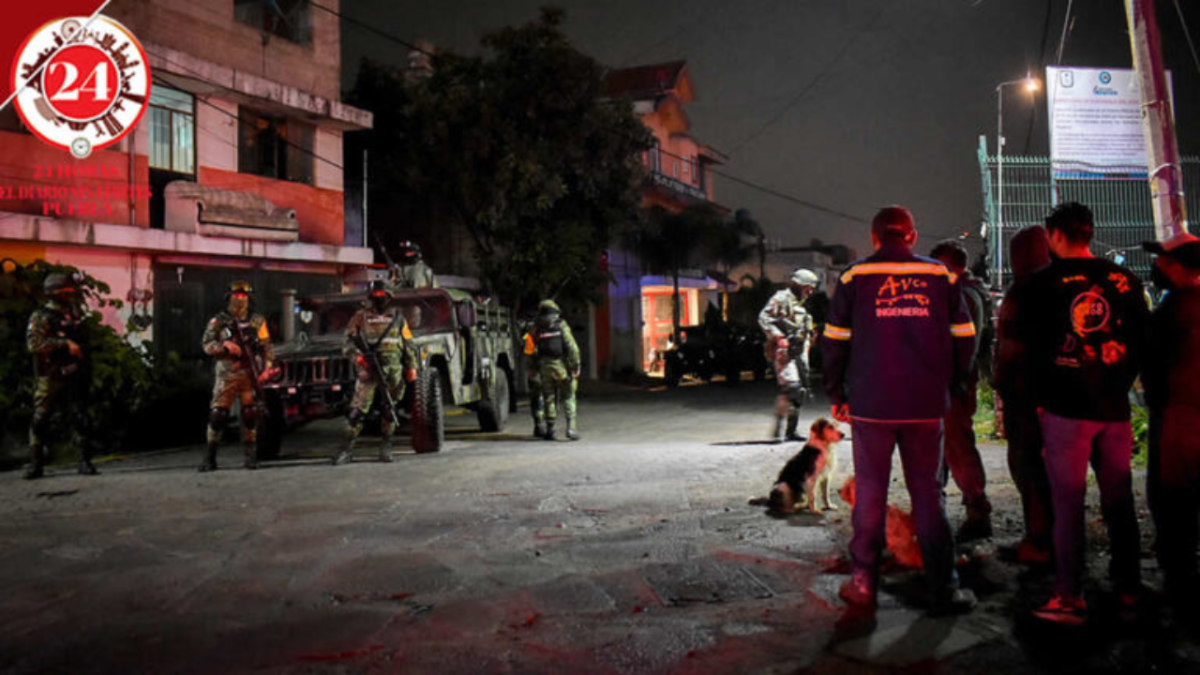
(1031, 85)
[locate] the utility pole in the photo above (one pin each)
(1158, 121)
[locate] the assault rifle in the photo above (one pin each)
(370, 355)
(249, 357)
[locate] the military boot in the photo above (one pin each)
(777, 430)
(572, 432)
(385, 450)
(35, 468)
(793, 421)
(209, 463)
(251, 453)
(550, 431)
(539, 429)
(86, 468)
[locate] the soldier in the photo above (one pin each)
(241, 345)
(558, 366)
(411, 270)
(537, 406)
(53, 339)
(387, 336)
(789, 329)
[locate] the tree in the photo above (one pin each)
(520, 149)
(669, 242)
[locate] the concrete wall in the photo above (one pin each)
(208, 29)
(216, 135)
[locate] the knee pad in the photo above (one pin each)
(250, 416)
(355, 417)
(218, 417)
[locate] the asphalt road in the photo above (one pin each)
(631, 551)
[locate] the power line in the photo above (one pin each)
(372, 29)
(234, 116)
(811, 84)
(1062, 40)
(773, 192)
(1187, 34)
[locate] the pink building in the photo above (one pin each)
(635, 318)
(233, 172)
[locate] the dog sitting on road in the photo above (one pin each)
(807, 475)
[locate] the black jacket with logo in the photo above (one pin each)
(1084, 326)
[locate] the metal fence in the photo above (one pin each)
(1124, 216)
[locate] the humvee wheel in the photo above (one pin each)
(493, 413)
(429, 422)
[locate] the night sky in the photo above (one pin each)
(848, 104)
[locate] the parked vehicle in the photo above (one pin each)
(466, 357)
(725, 349)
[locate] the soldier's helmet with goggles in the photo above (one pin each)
(804, 277)
(240, 288)
(409, 253)
(61, 283)
(378, 289)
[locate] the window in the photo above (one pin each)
(172, 130)
(288, 19)
(275, 147)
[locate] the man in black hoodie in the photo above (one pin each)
(1029, 253)
(1086, 333)
(1172, 379)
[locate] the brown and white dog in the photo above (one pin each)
(808, 474)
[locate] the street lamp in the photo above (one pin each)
(1031, 85)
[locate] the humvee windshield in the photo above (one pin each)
(425, 314)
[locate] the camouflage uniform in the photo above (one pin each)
(234, 381)
(789, 329)
(411, 270)
(558, 366)
(52, 329)
(390, 332)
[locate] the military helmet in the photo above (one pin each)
(803, 277)
(549, 307)
(377, 288)
(59, 282)
(243, 287)
(409, 253)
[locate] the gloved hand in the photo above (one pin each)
(268, 374)
(410, 374)
(231, 348)
(841, 412)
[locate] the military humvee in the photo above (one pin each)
(466, 352)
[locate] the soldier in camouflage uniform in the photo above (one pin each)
(789, 329)
(558, 366)
(53, 339)
(411, 271)
(234, 379)
(386, 332)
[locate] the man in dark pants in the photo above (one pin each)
(1086, 330)
(1029, 253)
(1172, 379)
(962, 455)
(897, 336)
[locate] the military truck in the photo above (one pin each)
(466, 352)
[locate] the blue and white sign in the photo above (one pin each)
(1096, 123)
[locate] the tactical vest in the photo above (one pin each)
(550, 344)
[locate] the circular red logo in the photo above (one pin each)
(81, 85)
